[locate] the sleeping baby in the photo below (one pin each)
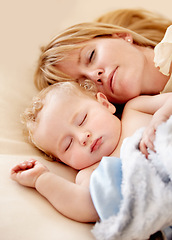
(77, 126)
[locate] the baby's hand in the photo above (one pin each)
(26, 173)
(147, 140)
(148, 136)
(163, 110)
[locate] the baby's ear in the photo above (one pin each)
(102, 99)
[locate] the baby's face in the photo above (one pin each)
(77, 129)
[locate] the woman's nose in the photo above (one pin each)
(96, 76)
(84, 138)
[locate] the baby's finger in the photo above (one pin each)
(26, 164)
(143, 148)
(150, 145)
(23, 166)
(16, 169)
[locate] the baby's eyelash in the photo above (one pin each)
(68, 146)
(83, 120)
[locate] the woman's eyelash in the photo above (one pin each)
(91, 55)
(83, 120)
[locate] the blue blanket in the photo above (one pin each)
(133, 195)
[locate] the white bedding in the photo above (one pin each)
(145, 206)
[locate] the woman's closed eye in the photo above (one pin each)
(92, 56)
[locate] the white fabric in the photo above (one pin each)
(147, 190)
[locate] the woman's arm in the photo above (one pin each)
(70, 199)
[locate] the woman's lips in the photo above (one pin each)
(111, 79)
(96, 144)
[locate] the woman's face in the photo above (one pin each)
(116, 65)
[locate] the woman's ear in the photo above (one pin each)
(126, 36)
(102, 99)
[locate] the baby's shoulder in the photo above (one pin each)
(141, 103)
(83, 176)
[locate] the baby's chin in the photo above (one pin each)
(89, 165)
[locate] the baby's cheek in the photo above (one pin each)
(80, 159)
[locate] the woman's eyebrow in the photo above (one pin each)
(79, 55)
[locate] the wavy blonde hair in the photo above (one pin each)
(146, 28)
(149, 24)
(30, 117)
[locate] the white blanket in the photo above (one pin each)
(146, 188)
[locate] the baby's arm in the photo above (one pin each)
(161, 115)
(160, 106)
(70, 199)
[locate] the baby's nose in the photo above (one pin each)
(85, 138)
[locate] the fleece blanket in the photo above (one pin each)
(142, 203)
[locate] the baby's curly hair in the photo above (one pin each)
(30, 116)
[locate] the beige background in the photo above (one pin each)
(24, 27)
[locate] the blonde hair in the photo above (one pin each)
(146, 28)
(30, 116)
(149, 24)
